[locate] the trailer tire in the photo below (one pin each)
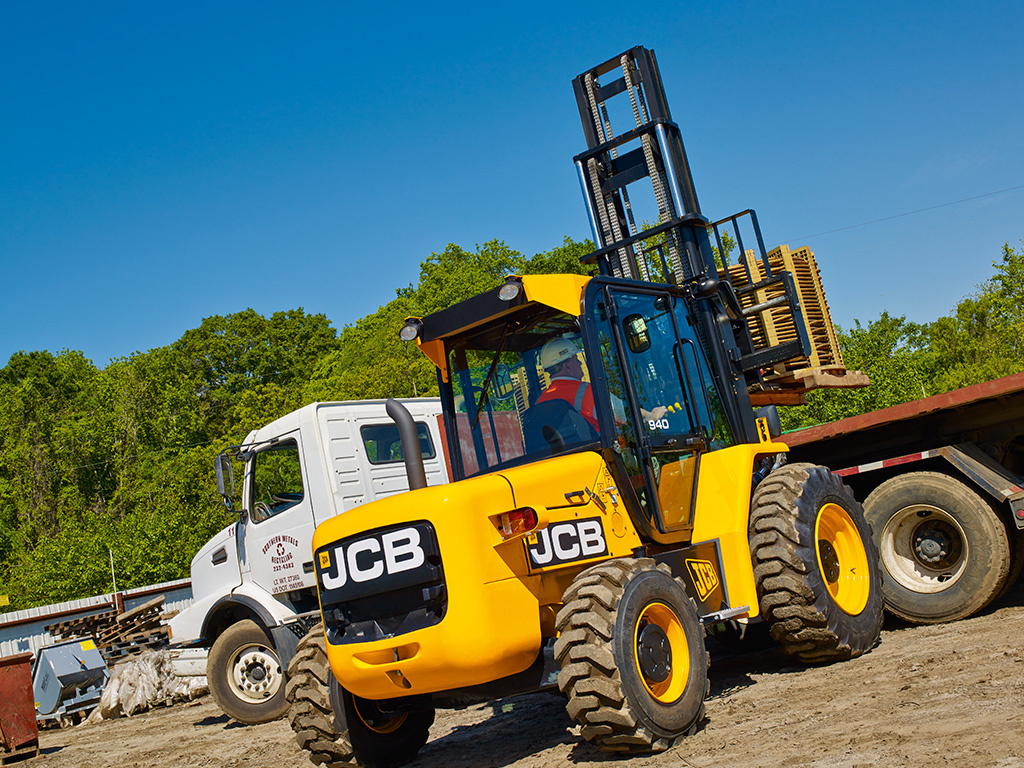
(336, 727)
(944, 551)
(632, 656)
(245, 675)
(815, 565)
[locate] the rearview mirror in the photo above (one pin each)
(637, 336)
(225, 477)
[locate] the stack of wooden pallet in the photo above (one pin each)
(119, 634)
(788, 382)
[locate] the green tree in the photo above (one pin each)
(887, 350)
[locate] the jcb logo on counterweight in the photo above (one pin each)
(567, 542)
(704, 577)
(372, 557)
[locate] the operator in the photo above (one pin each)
(561, 358)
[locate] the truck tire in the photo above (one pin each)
(245, 675)
(631, 650)
(945, 553)
(336, 727)
(815, 565)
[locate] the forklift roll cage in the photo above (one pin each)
(695, 367)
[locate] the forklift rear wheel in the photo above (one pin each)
(336, 727)
(245, 675)
(945, 552)
(631, 650)
(815, 565)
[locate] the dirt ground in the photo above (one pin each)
(926, 696)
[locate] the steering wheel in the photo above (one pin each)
(260, 511)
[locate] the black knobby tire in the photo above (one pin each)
(245, 675)
(815, 565)
(336, 727)
(617, 621)
(944, 551)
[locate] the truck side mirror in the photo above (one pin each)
(225, 477)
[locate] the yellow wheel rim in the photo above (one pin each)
(842, 559)
(662, 653)
(380, 724)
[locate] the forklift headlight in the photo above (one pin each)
(411, 329)
(510, 289)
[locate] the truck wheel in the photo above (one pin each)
(815, 565)
(336, 727)
(245, 675)
(945, 553)
(631, 650)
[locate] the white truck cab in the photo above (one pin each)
(253, 584)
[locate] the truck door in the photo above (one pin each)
(278, 540)
(664, 404)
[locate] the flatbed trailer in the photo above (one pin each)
(942, 482)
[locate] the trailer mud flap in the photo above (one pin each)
(700, 568)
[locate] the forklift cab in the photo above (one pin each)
(651, 391)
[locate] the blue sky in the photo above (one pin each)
(163, 162)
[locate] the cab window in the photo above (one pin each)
(383, 443)
(276, 481)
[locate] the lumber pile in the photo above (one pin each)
(118, 635)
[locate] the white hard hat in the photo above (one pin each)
(556, 352)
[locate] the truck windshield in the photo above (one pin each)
(521, 391)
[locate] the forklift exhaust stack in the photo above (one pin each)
(410, 443)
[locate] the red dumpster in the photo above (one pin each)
(18, 732)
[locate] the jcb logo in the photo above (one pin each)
(704, 577)
(566, 542)
(370, 558)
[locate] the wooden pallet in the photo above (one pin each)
(788, 382)
(120, 634)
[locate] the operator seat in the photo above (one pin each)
(553, 425)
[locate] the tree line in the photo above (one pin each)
(113, 465)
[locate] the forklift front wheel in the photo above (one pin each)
(336, 727)
(633, 663)
(815, 565)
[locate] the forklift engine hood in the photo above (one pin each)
(426, 591)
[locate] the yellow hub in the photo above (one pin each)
(662, 653)
(842, 559)
(375, 720)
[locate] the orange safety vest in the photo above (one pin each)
(575, 392)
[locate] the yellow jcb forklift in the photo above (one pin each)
(614, 492)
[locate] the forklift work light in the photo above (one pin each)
(510, 289)
(411, 329)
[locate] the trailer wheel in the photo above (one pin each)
(815, 565)
(631, 650)
(336, 727)
(945, 553)
(245, 675)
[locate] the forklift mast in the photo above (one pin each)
(677, 248)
